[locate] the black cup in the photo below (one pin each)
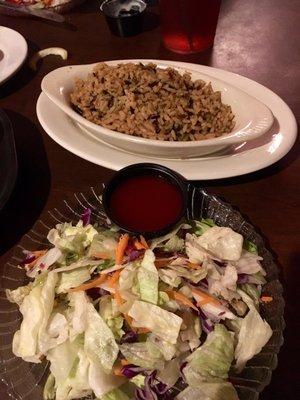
(183, 186)
(124, 17)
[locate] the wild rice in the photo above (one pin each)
(151, 102)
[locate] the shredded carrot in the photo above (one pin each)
(101, 255)
(203, 302)
(143, 330)
(194, 266)
(143, 241)
(113, 280)
(162, 262)
(38, 254)
(118, 298)
(121, 247)
(129, 320)
(266, 299)
(138, 245)
(118, 371)
(181, 298)
(124, 362)
(206, 298)
(141, 244)
(95, 282)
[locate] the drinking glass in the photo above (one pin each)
(189, 26)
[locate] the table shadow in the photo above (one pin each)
(87, 7)
(32, 185)
(151, 21)
(203, 57)
(66, 25)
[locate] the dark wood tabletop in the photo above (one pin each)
(258, 39)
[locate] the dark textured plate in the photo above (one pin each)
(8, 159)
(25, 381)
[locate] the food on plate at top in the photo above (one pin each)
(57, 5)
(124, 318)
(152, 102)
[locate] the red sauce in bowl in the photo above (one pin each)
(145, 203)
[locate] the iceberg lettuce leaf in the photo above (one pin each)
(203, 225)
(74, 278)
(169, 276)
(211, 361)
(250, 246)
(249, 263)
(69, 238)
(69, 366)
(99, 342)
(253, 291)
(17, 295)
(57, 332)
(61, 359)
(30, 341)
(192, 331)
(162, 323)
(103, 242)
(158, 242)
(78, 302)
(111, 315)
(253, 335)
(175, 243)
(193, 275)
(100, 382)
(195, 252)
(167, 349)
(143, 354)
(171, 372)
(148, 278)
(222, 242)
(128, 281)
(49, 388)
(115, 394)
(225, 285)
(209, 391)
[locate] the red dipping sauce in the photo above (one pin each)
(146, 203)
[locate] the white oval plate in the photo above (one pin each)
(236, 160)
(252, 117)
(13, 52)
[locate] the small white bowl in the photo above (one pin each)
(252, 118)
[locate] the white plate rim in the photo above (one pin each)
(21, 56)
(191, 168)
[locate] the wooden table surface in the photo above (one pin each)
(258, 39)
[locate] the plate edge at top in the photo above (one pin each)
(24, 57)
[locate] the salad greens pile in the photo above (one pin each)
(122, 318)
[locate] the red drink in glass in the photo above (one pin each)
(189, 26)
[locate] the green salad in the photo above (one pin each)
(119, 317)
